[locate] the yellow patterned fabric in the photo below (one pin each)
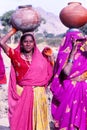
(40, 121)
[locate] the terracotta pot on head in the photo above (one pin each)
(74, 15)
(25, 18)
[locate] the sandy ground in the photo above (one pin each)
(4, 124)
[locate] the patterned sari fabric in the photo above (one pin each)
(27, 104)
(2, 70)
(69, 103)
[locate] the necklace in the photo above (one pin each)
(27, 58)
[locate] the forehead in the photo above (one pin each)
(28, 37)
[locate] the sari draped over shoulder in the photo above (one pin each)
(69, 103)
(21, 106)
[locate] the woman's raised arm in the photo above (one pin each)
(4, 39)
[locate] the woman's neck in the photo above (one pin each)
(27, 56)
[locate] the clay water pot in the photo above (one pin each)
(74, 15)
(25, 18)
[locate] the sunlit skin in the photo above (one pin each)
(28, 44)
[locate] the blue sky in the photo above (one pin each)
(49, 5)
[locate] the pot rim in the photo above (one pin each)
(24, 6)
(74, 2)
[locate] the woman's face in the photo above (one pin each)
(28, 44)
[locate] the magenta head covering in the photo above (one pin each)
(64, 51)
(72, 34)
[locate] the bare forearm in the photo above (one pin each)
(4, 39)
(68, 66)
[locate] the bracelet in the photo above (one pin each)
(70, 61)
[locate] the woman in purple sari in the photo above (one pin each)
(69, 86)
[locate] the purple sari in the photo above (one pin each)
(69, 103)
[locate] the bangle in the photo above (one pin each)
(70, 61)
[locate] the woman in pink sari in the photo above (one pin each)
(31, 73)
(69, 86)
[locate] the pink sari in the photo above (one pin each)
(21, 107)
(2, 70)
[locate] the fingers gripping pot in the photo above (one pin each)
(25, 18)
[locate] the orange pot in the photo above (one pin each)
(74, 15)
